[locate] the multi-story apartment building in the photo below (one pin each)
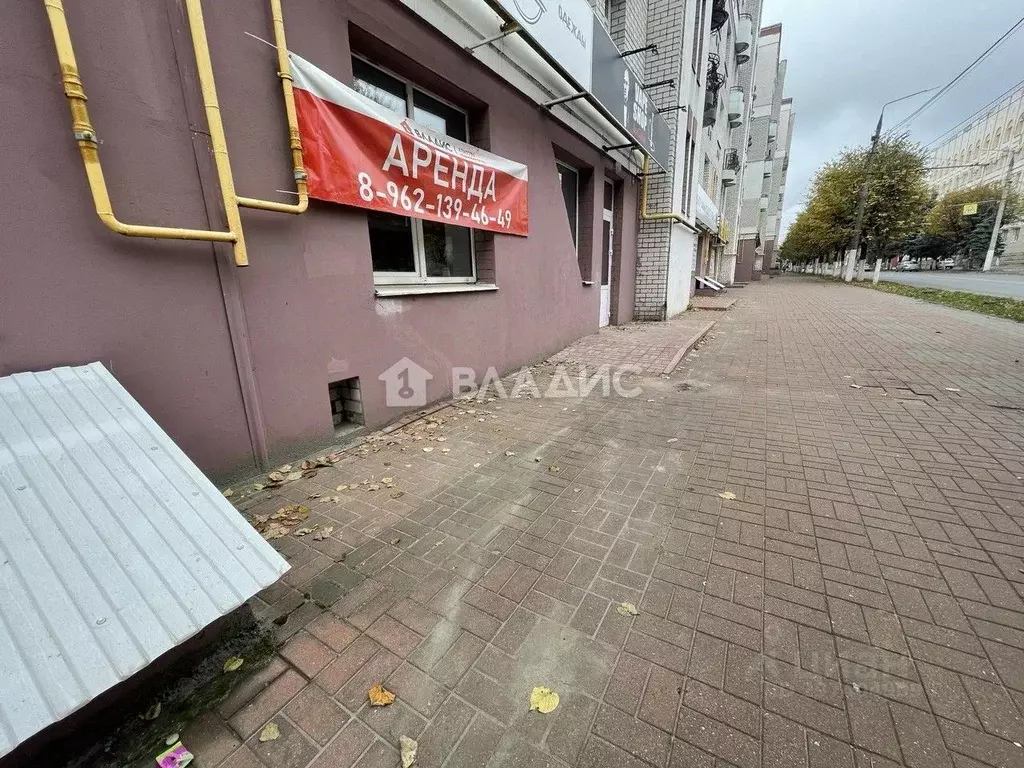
(777, 190)
(740, 105)
(763, 190)
(980, 153)
(702, 47)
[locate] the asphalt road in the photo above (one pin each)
(991, 284)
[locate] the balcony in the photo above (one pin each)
(728, 177)
(732, 160)
(735, 107)
(773, 130)
(714, 82)
(719, 15)
(744, 37)
(710, 107)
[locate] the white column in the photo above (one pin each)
(878, 271)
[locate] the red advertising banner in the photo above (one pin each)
(360, 153)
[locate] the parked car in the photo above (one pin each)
(908, 266)
(947, 263)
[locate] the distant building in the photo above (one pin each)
(770, 135)
(979, 153)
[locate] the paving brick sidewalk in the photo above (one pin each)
(653, 347)
(857, 604)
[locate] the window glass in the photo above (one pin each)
(392, 246)
(439, 116)
(379, 86)
(448, 250)
(570, 182)
(404, 249)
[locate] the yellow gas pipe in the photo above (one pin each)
(644, 215)
(85, 136)
(285, 73)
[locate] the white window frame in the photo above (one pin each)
(420, 277)
(576, 224)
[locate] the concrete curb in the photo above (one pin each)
(715, 308)
(687, 347)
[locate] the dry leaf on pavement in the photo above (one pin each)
(408, 750)
(270, 732)
(727, 495)
(380, 696)
(673, 440)
(543, 700)
(627, 609)
(428, 449)
(323, 533)
(234, 663)
(229, 492)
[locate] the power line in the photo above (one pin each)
(970, 117)
(963, 73)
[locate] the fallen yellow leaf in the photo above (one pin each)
(380, 696)
(235, 662)
(727, 495)
(270, 732)
(543, 700)
(627, 609)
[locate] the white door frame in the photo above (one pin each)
(604, 318)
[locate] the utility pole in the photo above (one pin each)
(1007, 182)
(853, 254)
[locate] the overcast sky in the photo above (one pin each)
(847, 58)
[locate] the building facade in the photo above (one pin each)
(705, 49)
(740, 104)
(245, 367)
(267, 327)
(980, 153)
(763, 187)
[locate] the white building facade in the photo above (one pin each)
(762, 191)
(980, 153)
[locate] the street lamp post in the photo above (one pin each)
(854, 253)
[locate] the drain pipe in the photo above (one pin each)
(85, 136)
(284, 71)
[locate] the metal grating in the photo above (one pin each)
(114, 548)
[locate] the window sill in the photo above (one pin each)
(386, 291)
(588, 282)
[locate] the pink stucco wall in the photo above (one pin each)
(71, 291)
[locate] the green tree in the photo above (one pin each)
(897, 201)
(967, 235)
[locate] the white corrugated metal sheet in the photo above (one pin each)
(114, 548)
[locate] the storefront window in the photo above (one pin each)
(403, 249)
(569, 179)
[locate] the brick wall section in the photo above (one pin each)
(664, 27)
(627, 26)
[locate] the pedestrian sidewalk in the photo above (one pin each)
(822, 575)
(652, 347)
